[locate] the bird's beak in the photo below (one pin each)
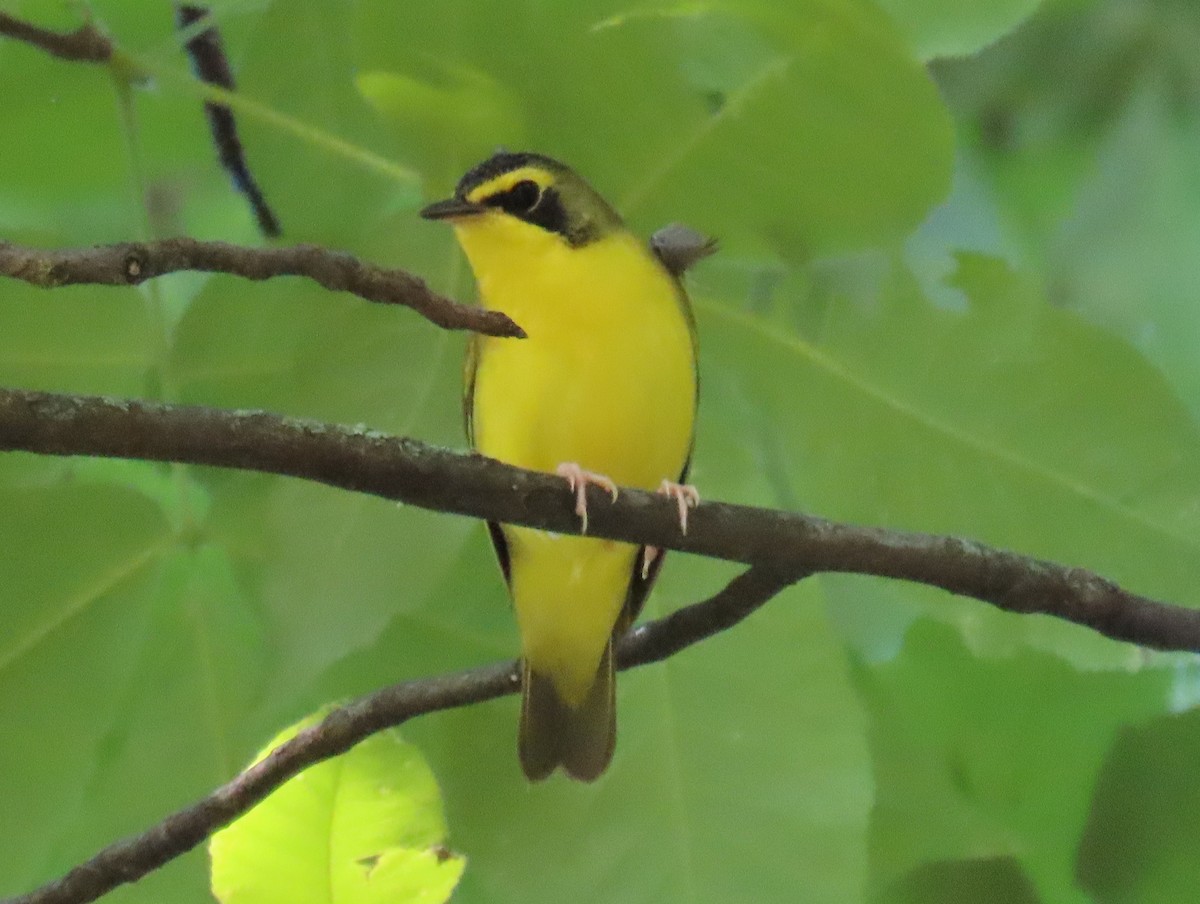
(451, 208)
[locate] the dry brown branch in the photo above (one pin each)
(409, 471)
(131, 263)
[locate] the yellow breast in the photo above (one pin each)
(606, 377)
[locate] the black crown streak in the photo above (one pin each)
(499, 164)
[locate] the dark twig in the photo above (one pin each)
(434, 478)
(130, 263)
(663, 638)
(86, 44)
(208, 58)
(129, 860)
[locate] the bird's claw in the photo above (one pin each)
(649, 554)
(578, 479)
(686, 497)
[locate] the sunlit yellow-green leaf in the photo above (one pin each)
(364, 827)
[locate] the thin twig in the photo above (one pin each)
(207, 53)
(130, 263)
(86, 44)
(129, 860)
(660, 639)
(410, 471)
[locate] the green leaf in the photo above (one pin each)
(767, 73)
(364, 827)
(321, 194)
(88, 339)
(65, 116)
(1087, 154)
(993, 880)
(74, 616)
(727, 96)
(195, 677)
(965, 787)
(878, 420)
(940, 28)
(1125, 259)
(455, 107)
(118, 650)
(1144, 827)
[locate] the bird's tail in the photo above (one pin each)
(553, 733)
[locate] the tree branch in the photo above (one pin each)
(129, 860)
(409, 471)
(86, 44)
(131, 263)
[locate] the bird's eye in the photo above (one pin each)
(521, 198)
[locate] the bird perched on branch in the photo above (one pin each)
(603, 392)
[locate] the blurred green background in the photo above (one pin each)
(958, 293)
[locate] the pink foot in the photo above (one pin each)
(578, 479)
(686, 496)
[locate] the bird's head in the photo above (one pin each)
(511, 202)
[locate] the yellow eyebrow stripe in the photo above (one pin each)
(505, 181)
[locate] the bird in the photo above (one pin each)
(602, 391)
